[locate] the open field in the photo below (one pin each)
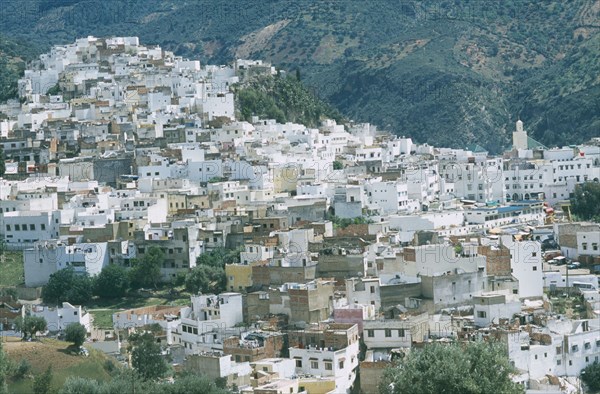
(102, 310)
(50, 352)
(11, 269)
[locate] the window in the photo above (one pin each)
(341, 364)
(32, 227)
(587, 345)
(328, 365)
(388, 333)
(558, 362)
(574, 348)
(370, 333)
(372, 289)
(401, 333)
(481, 314)
(298, 363)
(314, 364)
(535, 268)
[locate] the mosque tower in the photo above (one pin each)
(520, 137)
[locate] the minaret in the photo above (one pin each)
(520, 137)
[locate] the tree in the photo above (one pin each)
(75, 333)
(146, 356)
(337, 165)
(146, 271)
(585, 203)
(112, 282)
(67, 285)
(2, 162)
(206, 279)
(472, 368)
(219, 257)
(30, 325)
(54, 90)
(41, 383)
(591, 376)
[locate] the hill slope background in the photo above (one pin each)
(443, 72)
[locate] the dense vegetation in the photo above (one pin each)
(284, 99)
(208, 276)
(67, 285)
(591, 377)
(471, 368)
(444, 72)
(127, 382)
(13, 55)
(585, 204)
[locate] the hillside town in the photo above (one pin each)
(351, 246)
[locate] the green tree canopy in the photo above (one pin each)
(75, 333)
(30, 325)
(206, 279)
(112, 282)
(585, 203)
(591, 377)
(473, 368)
(219, 257)
(146, 356)
(67, 285)
(146, 271)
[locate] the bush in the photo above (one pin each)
(22, 370)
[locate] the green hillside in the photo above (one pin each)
(444, 72)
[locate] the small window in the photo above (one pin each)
(388, 333)
(314, 364)
(370, 333)
(298, 363)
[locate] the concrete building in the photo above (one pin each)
(330, 351)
